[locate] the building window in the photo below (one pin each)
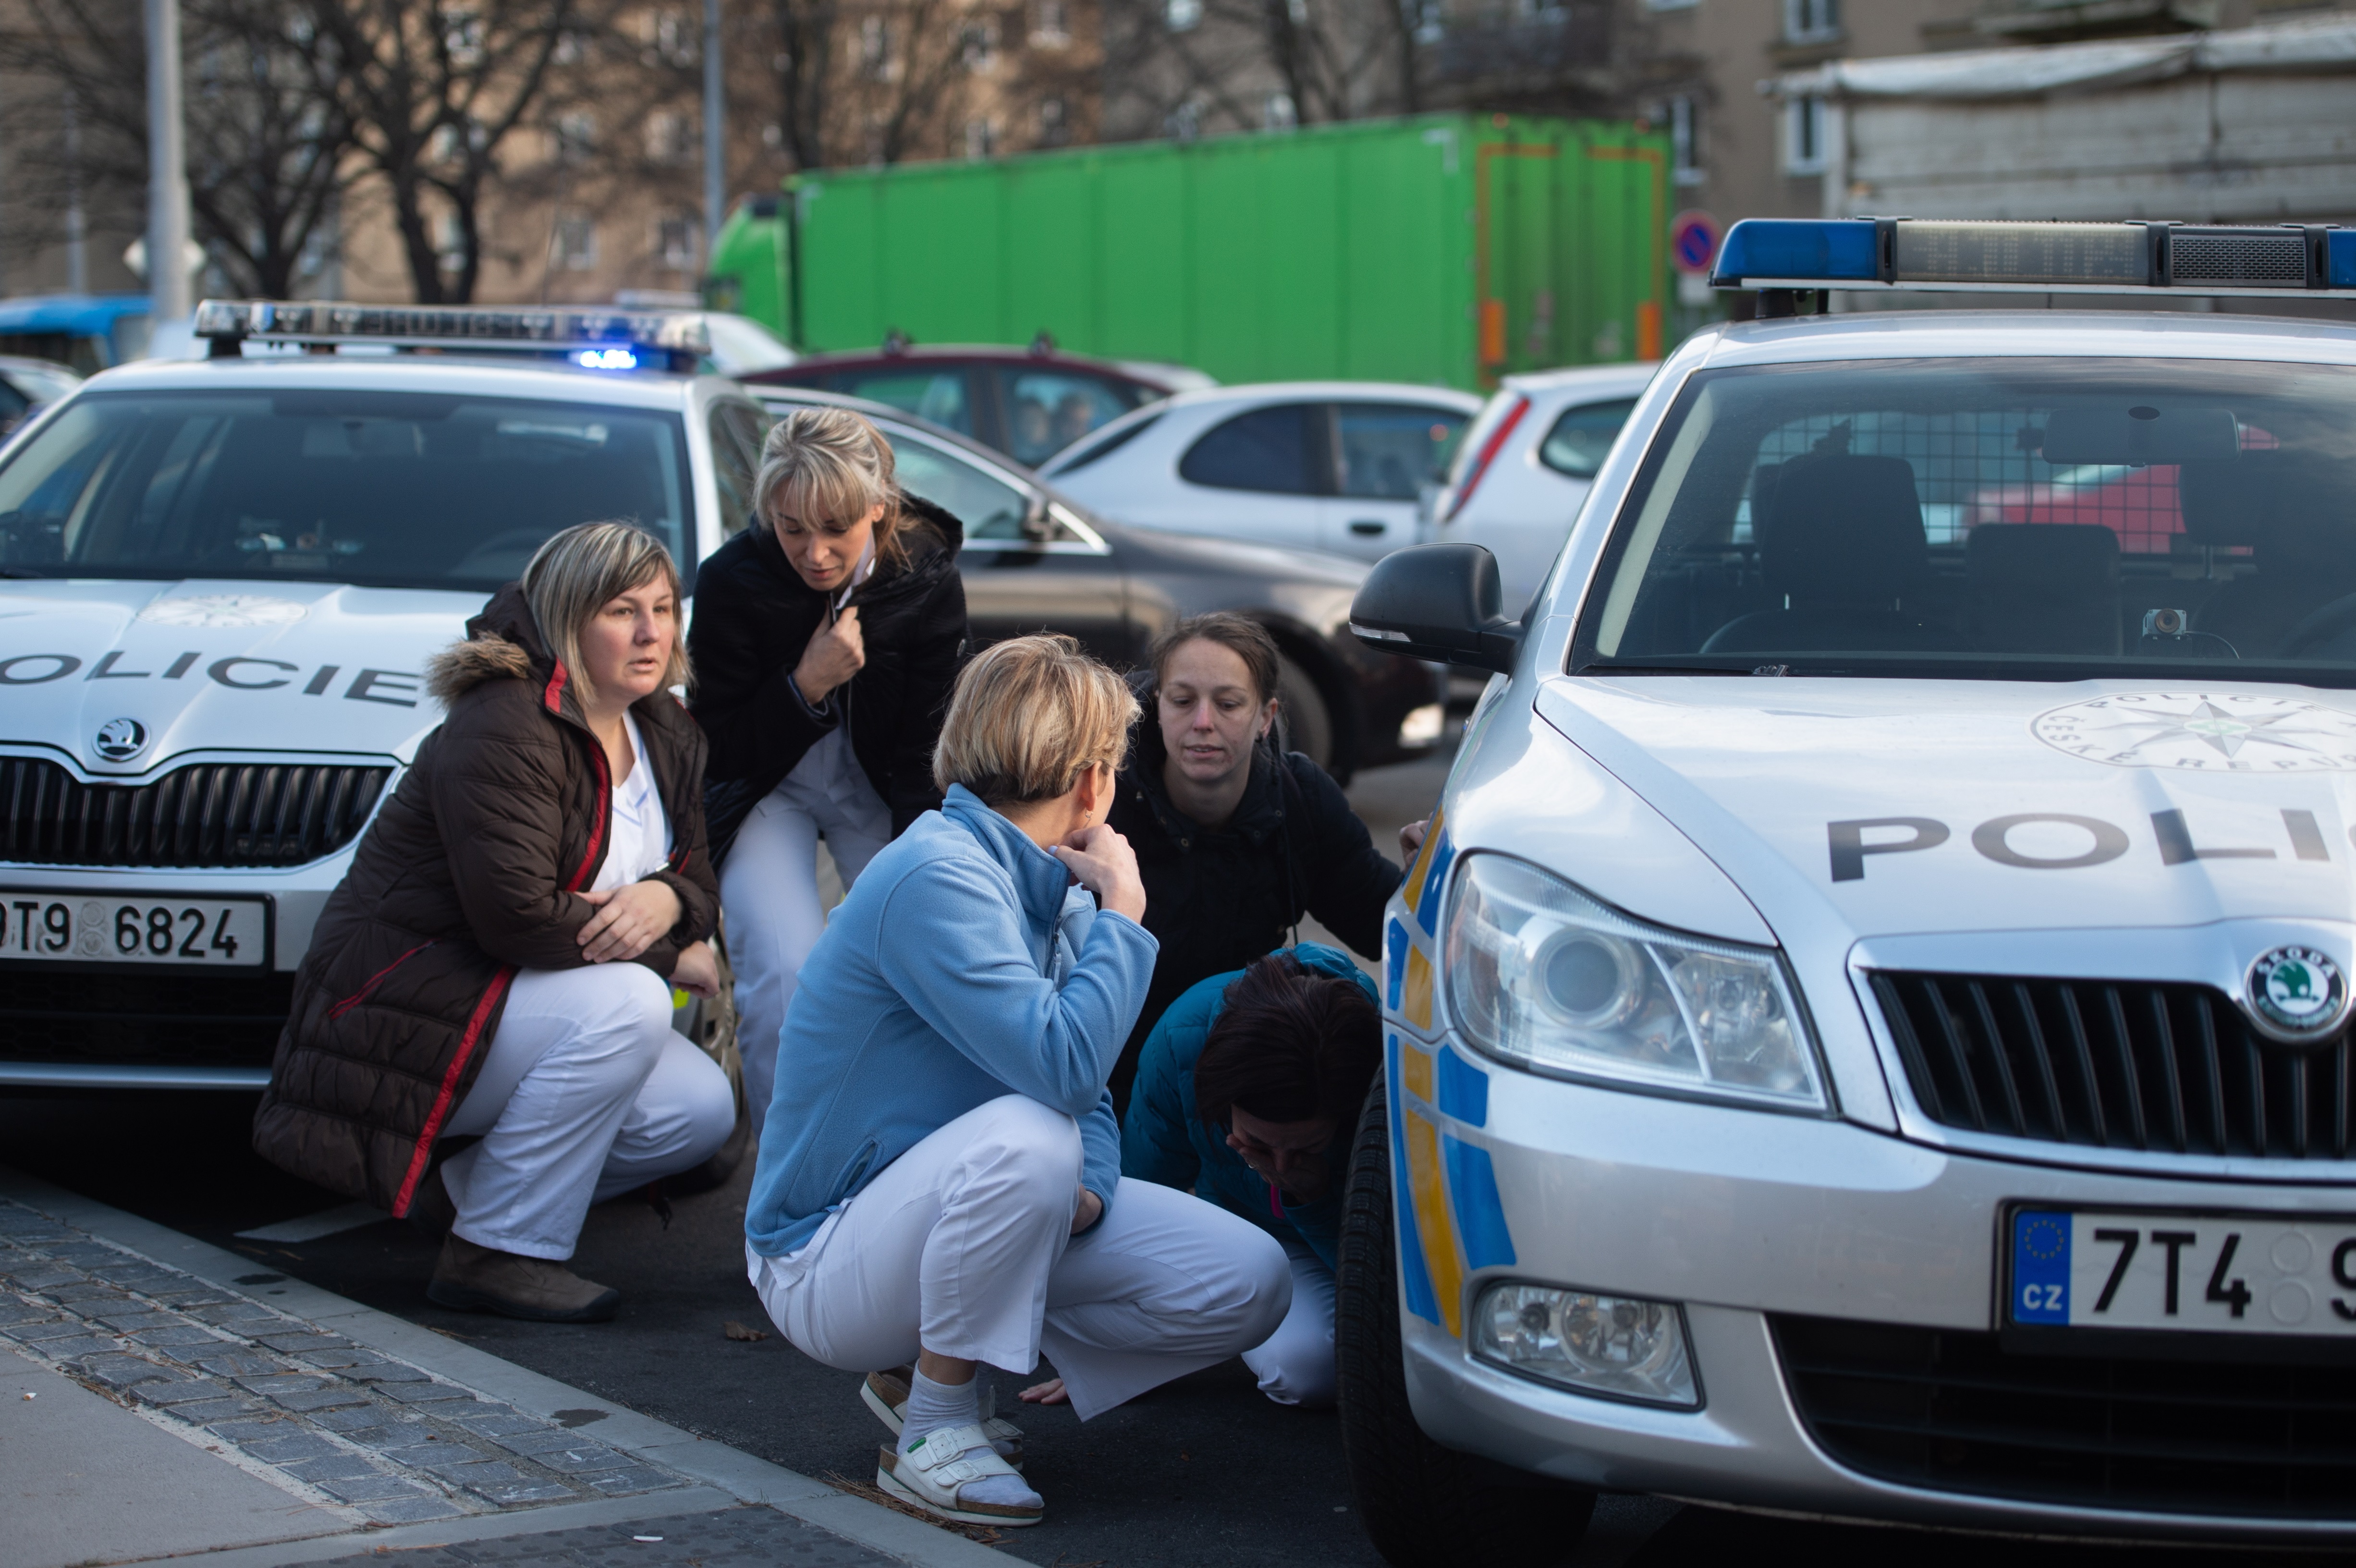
(1048, 25)
(670, 139)
(876, 48)
(1811, 21)
(1430, 18)
(1055, 122)
(981, 138)
(978, 46)
(1182, 15)
(573, 245)
(462, 36)
(675, 37)
(1685, 140)
(576, 136)
(1803, 136)
(1280, 114)
(678, 243)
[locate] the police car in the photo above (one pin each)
(1868, 1032)
(219, 581)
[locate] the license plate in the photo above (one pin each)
(141, 928)
(2235, 1274)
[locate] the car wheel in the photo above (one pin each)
(1422, 1506)
(1308, 722)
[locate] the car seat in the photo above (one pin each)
(1841, 541)
(2296, 511)
(2043, 588)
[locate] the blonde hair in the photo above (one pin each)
(580, 570)
(830, 465)
(1027, 717)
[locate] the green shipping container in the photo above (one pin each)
(1445, 249)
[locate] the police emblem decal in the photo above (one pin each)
(2296, 994)
(120, 739)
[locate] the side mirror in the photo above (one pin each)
(1437, 601)
(1037, 527)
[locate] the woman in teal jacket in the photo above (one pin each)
(1248, 1092)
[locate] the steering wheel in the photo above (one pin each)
(2334, 620)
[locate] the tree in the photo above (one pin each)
(267, 144)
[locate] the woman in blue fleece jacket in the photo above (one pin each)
(938, 1180)
(1248, 1093)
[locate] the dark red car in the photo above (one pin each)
(1029, 403)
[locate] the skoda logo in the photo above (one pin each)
(120, 739)
(2297, 995)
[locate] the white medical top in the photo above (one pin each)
(641, 832)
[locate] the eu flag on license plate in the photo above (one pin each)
(2040, 1267)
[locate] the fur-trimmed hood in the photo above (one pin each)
(503, 643)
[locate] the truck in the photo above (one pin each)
(1442, 249)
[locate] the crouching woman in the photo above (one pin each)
(1248, 1095)
(940, 1175)
(498, 962)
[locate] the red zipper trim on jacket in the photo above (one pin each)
(443, 1101)
(552, 695)
(423, 1153)
(357, 998)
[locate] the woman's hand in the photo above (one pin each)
(628, 921)
(1411, 839)
(1102, 862)
(1049, 1392)
(837, 652)
(1088, 1211)
(696, 970)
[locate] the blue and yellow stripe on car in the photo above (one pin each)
(1451, 1219)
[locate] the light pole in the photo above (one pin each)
(715, 130)
(167, 175)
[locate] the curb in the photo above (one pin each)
(721, 1469)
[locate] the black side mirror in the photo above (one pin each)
(1037, 527)
(1437, 601)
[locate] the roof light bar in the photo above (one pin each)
(615, 335)
(1945, 255)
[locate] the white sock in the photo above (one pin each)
(933, 1406)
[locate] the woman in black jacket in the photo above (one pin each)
(1235, 838)
(825, 639)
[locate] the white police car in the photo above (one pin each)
(1868, 1032)
(219, 581)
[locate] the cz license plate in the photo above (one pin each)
(139, 928)
(2209, 1273)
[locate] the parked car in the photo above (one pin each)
(1522, 470)
(1028, 403)
(1034, 560)
(1330, 465)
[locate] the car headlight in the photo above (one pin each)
(1542, 975)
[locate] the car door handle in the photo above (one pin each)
(1370, 527)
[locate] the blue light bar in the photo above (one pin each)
(596, 340)
(1945, 254)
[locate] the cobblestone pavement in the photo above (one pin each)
(376, 1435)
(731, 1538)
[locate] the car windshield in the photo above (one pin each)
(2007, 518)
(397, 490)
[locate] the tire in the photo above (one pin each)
(1307, 720)
(1423, 1506)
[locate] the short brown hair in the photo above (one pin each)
(1290, 1045)
(1027, 715)
(1242, 635)
(580, 570)
(829, 463)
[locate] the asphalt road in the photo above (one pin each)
(1200, 1473)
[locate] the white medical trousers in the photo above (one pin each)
(1295, 1366)
(768, 886)
(585, 1091)
(963, 1246)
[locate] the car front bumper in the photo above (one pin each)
(82, 1025)
(1740, 1217)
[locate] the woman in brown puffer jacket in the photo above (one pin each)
(495, 962)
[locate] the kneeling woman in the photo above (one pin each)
(498, 960)
(940, 1175)
(1248, 1095)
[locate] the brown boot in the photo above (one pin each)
(476, 1279)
